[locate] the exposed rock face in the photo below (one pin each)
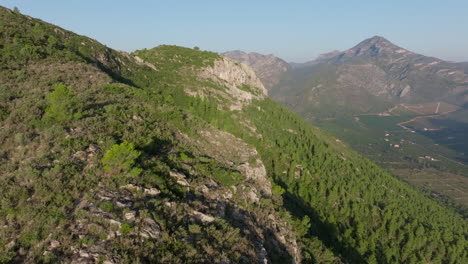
(237, 74)
(240, 81)
(234, 153)
(142, 62)
(268, 67)
(202, 217)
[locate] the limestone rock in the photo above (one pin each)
(241, 84)
(267, 67)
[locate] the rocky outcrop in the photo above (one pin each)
(235, 154)
(239, 80)
(267, 67)
(236, 74)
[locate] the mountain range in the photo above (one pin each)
(370, 77)
(177, 155)
(376, 95)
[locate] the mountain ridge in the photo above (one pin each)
(269, 68)
(320, 58)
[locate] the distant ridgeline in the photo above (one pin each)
(371, 77)
(176, 155)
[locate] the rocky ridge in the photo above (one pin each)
(241, 83)
(268, 68)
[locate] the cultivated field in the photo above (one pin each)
(438, 182)
(431, 108)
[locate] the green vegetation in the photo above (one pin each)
(62, 105)
(119, 159)
(196, 191)
(125, 228)
(355, 206)
(248, 89)
(172, 58)
(418, 158)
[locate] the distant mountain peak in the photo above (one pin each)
(376, 41)
(375, 46)
(371, 47)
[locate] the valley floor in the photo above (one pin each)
(423, 144)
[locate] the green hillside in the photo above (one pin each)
(159, 156)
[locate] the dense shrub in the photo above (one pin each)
(120, 158)
(62, 105)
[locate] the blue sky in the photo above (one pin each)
(293, 30)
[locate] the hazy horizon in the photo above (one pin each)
(296, 32)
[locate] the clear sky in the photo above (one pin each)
(293, 30)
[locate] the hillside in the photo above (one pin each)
(267, 67)
(176, 155)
